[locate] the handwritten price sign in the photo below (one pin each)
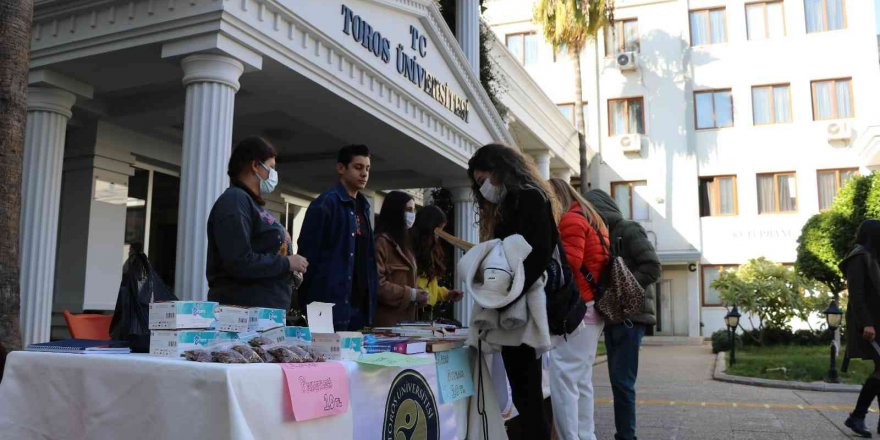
(317, 389)
(454, 375)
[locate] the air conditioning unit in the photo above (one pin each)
(630, 143)
(627, 61)
(838, 131)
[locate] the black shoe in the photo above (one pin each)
(858, 426)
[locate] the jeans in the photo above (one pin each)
(523, 368)
(622, 342)
(571, 382)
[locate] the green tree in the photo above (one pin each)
(827, 237)
(571, 24)
(770, 292)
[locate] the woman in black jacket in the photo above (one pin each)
(249, 261)
(863, 315)
(513, 199)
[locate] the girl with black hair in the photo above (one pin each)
(863, 315)
(399, 296)
(430, 258)
(249, 258)
(512, 199)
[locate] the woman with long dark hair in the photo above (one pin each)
(249, 261)
(399, 295)
(430, 258)
(513, 199)
(863, 315)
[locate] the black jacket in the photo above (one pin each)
(635, 248)
(863, 310)
(244, 264)
(527, 212)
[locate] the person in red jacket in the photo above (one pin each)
(571, 361)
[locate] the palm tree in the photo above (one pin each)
(15, 43)
(571, 24)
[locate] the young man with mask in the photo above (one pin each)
(337, 238)
(249, 261)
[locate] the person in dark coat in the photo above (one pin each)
(863, 315)
(337, 238)
(514, 199)
(249, 261)
(622, 341)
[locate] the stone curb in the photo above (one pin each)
(721, 376)
(600, 360)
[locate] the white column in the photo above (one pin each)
(466, 229)
(542, 160)
(467, 30)
(49, 109)
(211, 82)
(562, 174)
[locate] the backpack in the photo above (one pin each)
(139, 287)
(565, 307)
(618, 294)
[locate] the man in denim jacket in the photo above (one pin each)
(337, 240)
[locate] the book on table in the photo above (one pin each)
(82, 346)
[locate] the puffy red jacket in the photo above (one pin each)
(582, 248)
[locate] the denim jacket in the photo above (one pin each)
(327, 240)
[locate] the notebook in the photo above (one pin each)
(83, 346)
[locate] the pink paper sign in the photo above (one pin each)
(317, 389)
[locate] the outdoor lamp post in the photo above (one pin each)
(833, 316)
(732, 321)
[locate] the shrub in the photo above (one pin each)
(721, 341)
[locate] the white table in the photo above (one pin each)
(97, 397)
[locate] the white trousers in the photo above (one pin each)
(571, 382)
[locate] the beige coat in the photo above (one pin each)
(397, 278)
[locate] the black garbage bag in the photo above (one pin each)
(140, 285)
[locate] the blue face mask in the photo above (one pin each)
(268, 185)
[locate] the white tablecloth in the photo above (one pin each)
(97, 397)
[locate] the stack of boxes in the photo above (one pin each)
(178, 326)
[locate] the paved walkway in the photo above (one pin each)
(678, 400)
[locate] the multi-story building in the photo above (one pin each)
(720, 125)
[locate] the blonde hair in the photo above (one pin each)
(566, 195)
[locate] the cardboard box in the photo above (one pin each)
(298, 335)
(172, 343)
(276, 335)
(249, 319)
(174, 315)
(338, 346)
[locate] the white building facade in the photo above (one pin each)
(720, 125)
(134, 106)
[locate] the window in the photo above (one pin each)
(712, 297)
(832, 99)
(627, 116)
(631, 199)
(777, 193)
(765, 20)
(623, 37)
(718, 196)
(524, 47)
(714, 108)
(708, 26)
(771, 104)
(568, 111)
(830, 182)
(824, 15)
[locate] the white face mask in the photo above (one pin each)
(410, 218)
(268, 185)
(491, 192)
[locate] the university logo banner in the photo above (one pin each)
(411, 409)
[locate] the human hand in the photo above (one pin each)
(421, 297)
(868, 333)
(454, 295)
(298, 263)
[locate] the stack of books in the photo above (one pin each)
(81, 346)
